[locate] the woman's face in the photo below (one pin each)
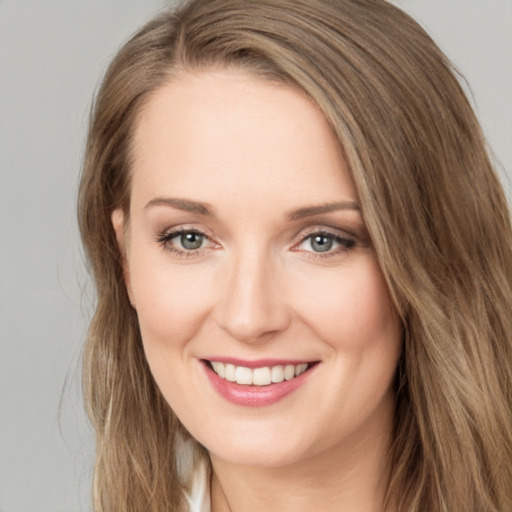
(265, 318)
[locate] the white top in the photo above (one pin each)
(194, 474)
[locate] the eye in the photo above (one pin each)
(324, 243)
(190, 240)
(320, 243)
(185, 242)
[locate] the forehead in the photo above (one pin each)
(226, 133)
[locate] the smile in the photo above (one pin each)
(257, 383)
(263, 376)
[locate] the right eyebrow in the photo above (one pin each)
(182, 204)
(310, 211)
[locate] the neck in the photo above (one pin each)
(350, 477)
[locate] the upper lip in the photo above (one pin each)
(257, 363)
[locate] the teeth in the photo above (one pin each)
(277, 373)
(259, 376)
(289, 372)
(230, 372)
(219, 369)
(243, 375)
(300, 368)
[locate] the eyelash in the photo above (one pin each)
(345, 244)
(165, 239)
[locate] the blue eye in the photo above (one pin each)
(184, 242)
(321, 243)
(191, 240)
(325, 243)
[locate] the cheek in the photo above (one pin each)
(351, 307)
(171, 300)
(352, 313)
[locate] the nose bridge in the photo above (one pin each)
(252, 305)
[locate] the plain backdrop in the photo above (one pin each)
(52, 54)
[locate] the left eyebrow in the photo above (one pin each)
(309, 211)
(183, 204)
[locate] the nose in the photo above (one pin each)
(253, 306)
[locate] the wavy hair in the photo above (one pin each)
(433, 206)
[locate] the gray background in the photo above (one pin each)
(51, 55)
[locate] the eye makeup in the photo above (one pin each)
(186, 242)
(317, 242)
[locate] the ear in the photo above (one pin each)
(121, 230)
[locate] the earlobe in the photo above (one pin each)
(121, 230)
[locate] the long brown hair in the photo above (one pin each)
(432, 204)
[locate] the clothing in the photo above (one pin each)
(194, 473)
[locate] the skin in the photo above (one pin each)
(254, 152)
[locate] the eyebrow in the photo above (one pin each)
(207, 210)
(183, 204)
(309, 211)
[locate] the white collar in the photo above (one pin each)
(194, 473)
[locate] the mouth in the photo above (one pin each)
(259, 376)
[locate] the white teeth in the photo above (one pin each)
(258, 376)
(243, 375)
(277, 373)
(300, 368)
(261, 376)
(220, 369)
(230, 372)
(289, 372)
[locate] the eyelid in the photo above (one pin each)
(185, 228)
(165, 237)
(345, 240)
(326, 230)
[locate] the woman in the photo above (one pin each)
(303, 260)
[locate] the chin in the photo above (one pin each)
(257, 447)
(268, 456)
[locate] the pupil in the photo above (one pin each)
(321, 243)
(191, 241)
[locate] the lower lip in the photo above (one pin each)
(255, 396)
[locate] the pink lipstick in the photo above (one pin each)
(256, 383)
